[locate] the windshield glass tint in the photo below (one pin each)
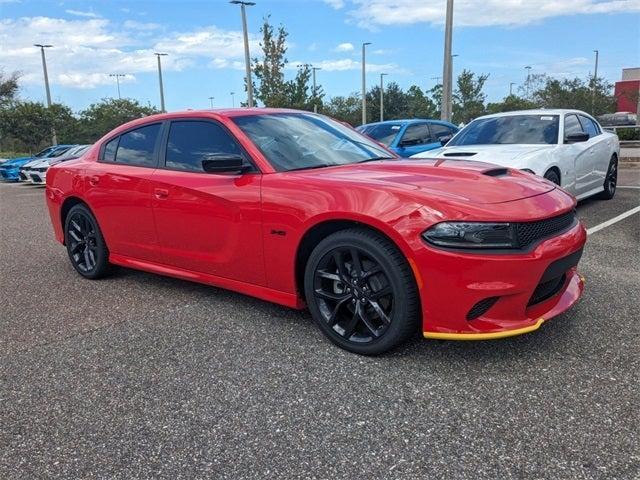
(294, 141)
(383, 133)
(510, 129)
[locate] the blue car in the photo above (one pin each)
(408, 137)
(10, 170)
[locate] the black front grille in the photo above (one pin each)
(481, 307)
(530, 232)
(546, 290)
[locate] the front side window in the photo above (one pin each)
(110, 148)
(384, 133)
(510, 129)
(416, 135)
(589, 126)
(439, 131)
(296, 141)
(192, 142)
(137, 147)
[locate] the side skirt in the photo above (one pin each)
(258, 291)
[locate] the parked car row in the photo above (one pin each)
(34, 169)
(567, 147)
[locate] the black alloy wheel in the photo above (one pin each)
(552, 176)
(611, 180)
(361, 292)
(85, 244)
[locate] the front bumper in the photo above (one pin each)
(521, 295)
(10, 174)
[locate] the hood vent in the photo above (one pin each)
(496, 172)
(459, 154)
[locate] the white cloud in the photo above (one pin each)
(86, 50)
(373, 13)
(79, 13)
(337, 4)
(344, 64)
(344, 47)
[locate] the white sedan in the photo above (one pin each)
(567, 147)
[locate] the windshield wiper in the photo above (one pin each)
(313, 167)
(375, 159)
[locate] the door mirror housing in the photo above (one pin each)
(445, 139)
(224, 164)
(576, 137)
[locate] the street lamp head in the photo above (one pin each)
(366, 43)
(240, 2)
(160, 54)
(42, 46)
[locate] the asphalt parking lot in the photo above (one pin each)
(140, 376)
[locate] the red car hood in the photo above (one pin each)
(454, 180)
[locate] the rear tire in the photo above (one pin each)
(85, 244)
(611, 180)
(361, 292)
(552, 176)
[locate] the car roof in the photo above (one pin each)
(537, 111)
(407, 121)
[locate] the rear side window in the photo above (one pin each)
(571, 125)
(192, 142)
(589, 126)
(135, 147)
(110, 148)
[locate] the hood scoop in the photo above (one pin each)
(496, 172)
(459, 154)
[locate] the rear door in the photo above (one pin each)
(580, 152)
(207, 222)
(119, 191)
(600, 155)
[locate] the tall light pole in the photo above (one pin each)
(54, 138)
(247, 60)
(364, 84)
(162, 109)
(445, 111)
(511, 88)
(211, 101)
(382, 75)
(233, 99)
(528, 69)
(117, 76)
(315, 91)
(595, 84)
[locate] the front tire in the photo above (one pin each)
(611, 180)
(361, 292)
(85, 244)
(552, 176)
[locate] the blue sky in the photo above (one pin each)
(204, 42)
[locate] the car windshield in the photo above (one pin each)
(296, 141)
(58, 152)
(508, 130)
(43, 153)
(383, 132)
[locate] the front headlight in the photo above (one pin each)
(472, 235)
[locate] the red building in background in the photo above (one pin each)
(627, 90)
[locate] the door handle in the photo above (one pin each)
(161, 193)
(94, 179)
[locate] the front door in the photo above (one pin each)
(207, 222)
(580, 152)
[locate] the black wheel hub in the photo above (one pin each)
(82, 242)
(354, 295)
(612, 177)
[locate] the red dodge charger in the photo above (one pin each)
(298, 209)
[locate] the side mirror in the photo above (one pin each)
(576, 137)
(445, 139)
(224, 164)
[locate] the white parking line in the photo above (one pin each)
(608, 223)
(628, 186)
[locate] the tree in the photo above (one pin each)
(100, 118)
(270, 71)
(593, 96)
(420, 105)
(8, 88)
(510, 104)
(346, 109)
(25, 126)
(468, 98)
